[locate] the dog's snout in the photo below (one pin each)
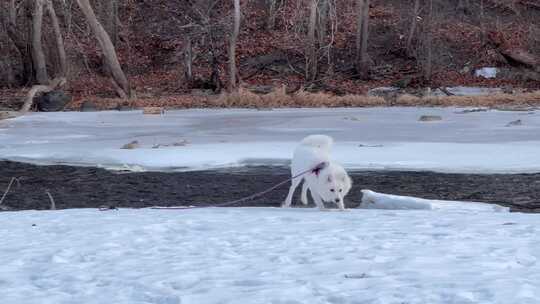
(337, 200)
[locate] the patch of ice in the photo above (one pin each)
(473, 91)
(374, 200)
(472, 142)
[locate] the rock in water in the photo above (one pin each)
(53, 101)
(88, 106)
(132, 145)
(514, 123)
(430, 118)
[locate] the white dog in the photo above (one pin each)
(327, 184)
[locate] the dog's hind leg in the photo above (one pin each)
(294, 183)
(304, 198)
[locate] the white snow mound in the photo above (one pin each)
(374, 200)
(268, 255)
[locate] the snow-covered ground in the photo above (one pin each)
(366, 138)
(269, 255)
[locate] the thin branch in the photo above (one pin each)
(8, 188)
(53, 204)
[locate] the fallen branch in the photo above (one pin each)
(445, 91)
(55, 83)
(53, 204)
(8, 188)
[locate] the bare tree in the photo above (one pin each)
(362, 32)
(427, 65)
(463, 6)
(312, 56)
(201, 25)
(110, 17)
(412, 29)
(271, 11)
(17, 37)
(232, 47)
(188, 59)
(38, 55)
(59, 39)
(322, 26)
(119, 79)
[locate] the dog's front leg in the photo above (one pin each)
(304, 197)
(341, 205)
(318, 201)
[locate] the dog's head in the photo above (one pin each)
(334, 184)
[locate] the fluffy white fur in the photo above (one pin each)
(330, 184)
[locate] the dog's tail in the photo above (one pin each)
(319, 141)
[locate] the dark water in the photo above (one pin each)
(85, 187)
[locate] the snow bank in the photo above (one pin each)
(486, 72)
(268, 255)
(374, 200)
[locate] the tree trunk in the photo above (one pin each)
(10, 22)
(463, 6)
(110, 16)
(323, 21)
(232, 48)
(362, 32)
(413, 27)
(59, 40)
(312, 58)
(107, 47)
(37, 47)
(271, 14)
(428, 64)
(359, 15)
(10, 74)
(188, 60)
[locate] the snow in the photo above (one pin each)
(374, 200)
(269, 255)
(366, 138)
(473, 91)
(486, 72)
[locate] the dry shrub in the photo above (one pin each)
(307, 99)
(278, 98)
(408, 100)
(319, 99)
(241, 98)
(532, 98)
(352, 100)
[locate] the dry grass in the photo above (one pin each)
(495, 100)
(279, 98)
